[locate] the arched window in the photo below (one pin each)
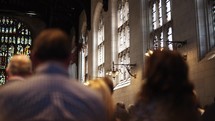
(100, 49)
(161, 32)
(15, 39)
(123, 43)
(84, 59)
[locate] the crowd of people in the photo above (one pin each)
(40, 88)
(49, 94)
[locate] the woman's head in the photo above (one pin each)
(101, 87)
(166, 71)
(51, 45)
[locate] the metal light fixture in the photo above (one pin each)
(115, 71)
(148, 52)
(176, 45)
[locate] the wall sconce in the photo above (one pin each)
(114, 72)
(177, 44)
(148, 52)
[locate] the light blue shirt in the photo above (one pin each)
(49, 95)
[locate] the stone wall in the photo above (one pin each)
(185, 27)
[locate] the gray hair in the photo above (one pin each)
(19, 65)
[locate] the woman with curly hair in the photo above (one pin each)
(167, 94)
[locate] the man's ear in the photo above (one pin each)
(68, 60)
(35, 61)
(7, 71)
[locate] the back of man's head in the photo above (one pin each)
(51, 44)
(19, 65)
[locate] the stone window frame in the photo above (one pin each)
(123, 44)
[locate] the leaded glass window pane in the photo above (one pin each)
(124, 78)
(160, 13)
(119, 17)
(126, 11)
(127, 36)
(101, 71)
(101, 54)
(161, 22)
(168, 10)
(155, 43)
(123, 12)
(169, 38)
(154, 17)
(161, 40)
(123, 37)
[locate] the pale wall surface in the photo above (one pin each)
(202, 71)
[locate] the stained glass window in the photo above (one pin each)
(16, 38)
(161, 24)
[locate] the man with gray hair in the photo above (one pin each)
(18, 68)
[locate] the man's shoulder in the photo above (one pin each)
(81, 90)
(82, 102)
